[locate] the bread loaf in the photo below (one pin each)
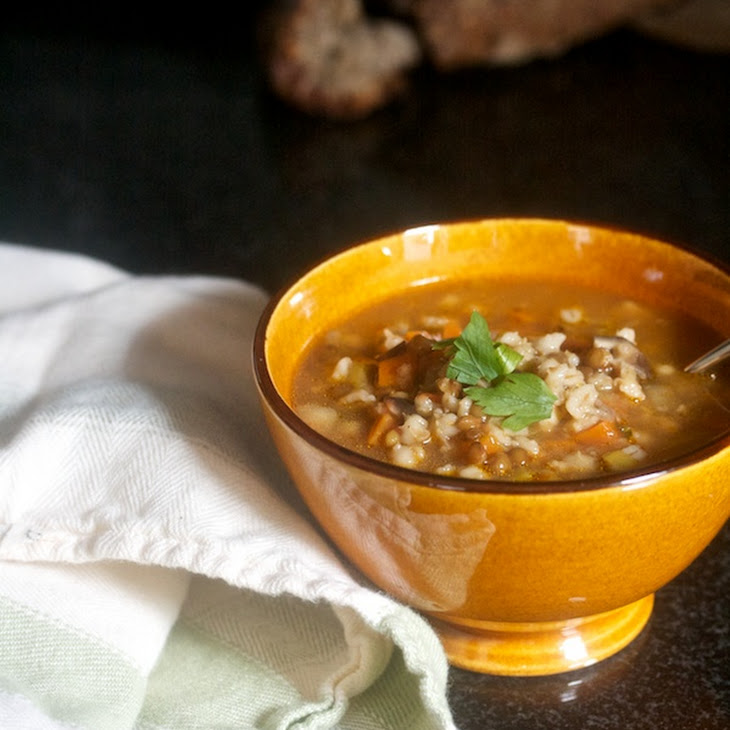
(327, 57)
(338, 59)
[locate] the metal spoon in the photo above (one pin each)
(714, 356)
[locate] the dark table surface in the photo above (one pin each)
(161, 151)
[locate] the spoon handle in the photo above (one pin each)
(710, 358)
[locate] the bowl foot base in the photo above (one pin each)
(537, 649)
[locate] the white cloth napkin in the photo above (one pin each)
(157, 569)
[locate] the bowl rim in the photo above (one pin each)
(625, 480)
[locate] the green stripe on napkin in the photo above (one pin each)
(71, 677)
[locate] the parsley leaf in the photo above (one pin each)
(475, 357)
(523, 397)
(488, 368)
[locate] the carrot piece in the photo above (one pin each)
(451, 330)
(396, 371)
(382, 424)
(490, 444)
(599, 434)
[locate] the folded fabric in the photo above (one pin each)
(157, 568)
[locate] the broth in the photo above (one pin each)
(381, 384)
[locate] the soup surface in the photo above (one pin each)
(514, 381)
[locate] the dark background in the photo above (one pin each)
(155, 145)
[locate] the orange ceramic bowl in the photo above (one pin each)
(517, 578)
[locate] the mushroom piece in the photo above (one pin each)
(399, 407)
(625, 350)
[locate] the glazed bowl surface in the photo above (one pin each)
(526, 578)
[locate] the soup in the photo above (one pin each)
(515, 381)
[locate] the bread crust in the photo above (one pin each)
(464, 33)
